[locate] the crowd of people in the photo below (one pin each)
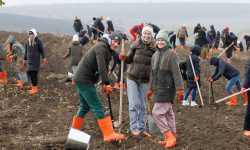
(152, 65)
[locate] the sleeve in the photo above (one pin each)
(41, 49)
(130, 55)
(220, 70)
(197, 67)
(25, 53)
(151, 74)
(102, 64)
(174, 67)
(247, 75)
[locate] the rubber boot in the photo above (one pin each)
(170, 139)
(232, 101)
(19, 83)
(73, 82)
(245, 98)
(77, 122)
(124, 86)
(108, 132)
(33, 90)
(4, 77)
(1, 77)
(165, 141)
(247, 133)
(117, 86)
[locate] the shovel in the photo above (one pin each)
(152, 126)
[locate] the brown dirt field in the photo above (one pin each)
(42, 121)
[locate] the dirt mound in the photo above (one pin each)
(43, 121)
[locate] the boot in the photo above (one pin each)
(4, 77)
(77, 122)
(117, 86)
(19, 83)
(232, 101)
(73, 82)
(170, 140)
(108, 132)
(165, 141)
(245, 98)
(247, 133)
(33, 90)
(124, 86)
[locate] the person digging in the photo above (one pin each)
(230, 72)
(93, 65)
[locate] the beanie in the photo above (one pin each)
(116, 36)
(162, 34)
(75, 38)
(148, 28)
(196, 49)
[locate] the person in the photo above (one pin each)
(94, 64)
(83, 39)
(15, 54)
(77, 25)
(227, 40)
(197, 28)
(33, 52)
(75, 52)
(3, 73)
(110, 28)
(165, 82)
(172, 39)
(182, 35)
(230, 72)
(217, 40)
(191, 78)
(247, 39)
(98, 27)
(136, 30)
(138, 73)
(245, 86)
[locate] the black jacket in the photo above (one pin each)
(247, 74)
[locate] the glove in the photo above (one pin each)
(242, 90)
(196, 78)
(179, 95)
(122, 57)
(107, 89)
(149, 93)
(9, 57)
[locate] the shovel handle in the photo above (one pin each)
(225, 98)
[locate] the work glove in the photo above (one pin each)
(149, 93)
(196, 78)
(107, 89)
(179, 95)
(122, 57)
(9, 57)
(242, 90)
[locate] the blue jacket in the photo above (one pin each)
(223, 68)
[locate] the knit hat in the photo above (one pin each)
(196, 49)
(226, 29)
(75, 38)
(116, 36)
(148, 28)
(162, 34)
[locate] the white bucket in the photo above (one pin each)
(77, 140)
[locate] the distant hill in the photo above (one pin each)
(59, 18)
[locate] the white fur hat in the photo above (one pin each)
(148, 28)
(75, 38)
(108, 19)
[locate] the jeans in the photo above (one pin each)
(137, 105)
(231, 82)
(188, 90)
(1, 68)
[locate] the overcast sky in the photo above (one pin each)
(37, 2)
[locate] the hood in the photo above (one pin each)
(196, 50)
(75, 42)
(214, 61)
(34, 31)
(11, 39)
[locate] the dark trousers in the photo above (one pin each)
(33, 75)
(247, 116)
(172, 41)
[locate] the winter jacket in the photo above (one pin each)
(137, 29)
(201, 40)
(110, 26)
(189, 71)
(94, 64)
(33, 54)
(247, 74)
(99, 25)
(223, 68)
(165, 76)
(139, 59)
(76, 51)
(77, 25)
(182, 33)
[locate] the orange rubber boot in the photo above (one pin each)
(117, 86)
(247, 133)
(232, 101)
(77, 122)
(245, 98)
(19, 83)
(170, 139)
(165, 141)
(124, 86)
(33, 90)
(73, 82)
(4, 77)
(108, 132)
